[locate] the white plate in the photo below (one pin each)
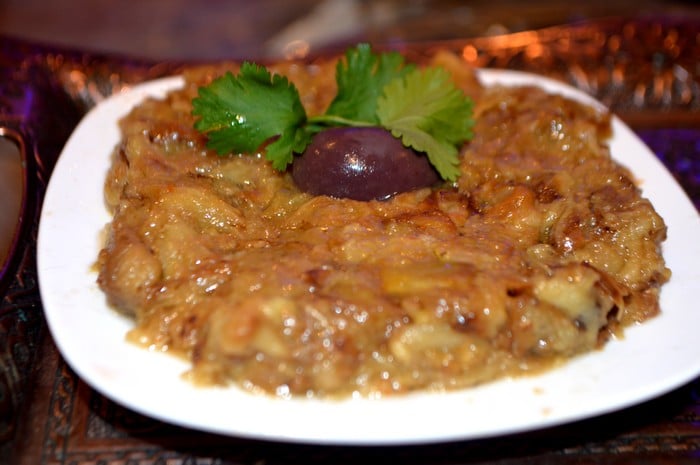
(653, 358)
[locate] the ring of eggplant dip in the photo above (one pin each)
(542, 250)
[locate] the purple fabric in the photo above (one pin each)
(679, 150)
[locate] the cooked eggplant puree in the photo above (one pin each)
(541, 250)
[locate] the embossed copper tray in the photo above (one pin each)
(646, 71)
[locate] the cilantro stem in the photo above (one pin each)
(332, 120)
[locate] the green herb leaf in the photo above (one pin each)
(361, 78)
(423, 108)
(429, 114)
(240, 113)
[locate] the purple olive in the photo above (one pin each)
(361, 164)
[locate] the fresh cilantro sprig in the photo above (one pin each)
(361, 79)
(430, 115)
(240, 113)
(421, 107)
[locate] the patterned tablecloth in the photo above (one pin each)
(646, 70)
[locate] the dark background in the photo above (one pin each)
(210, 29)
